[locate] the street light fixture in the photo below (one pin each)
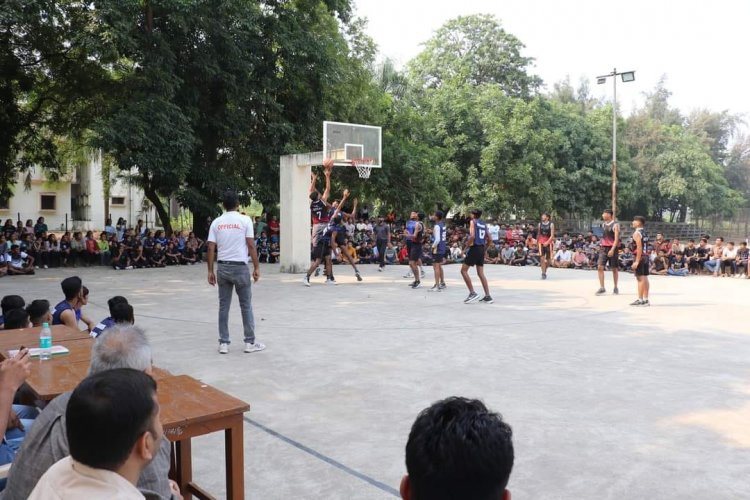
(627, 76)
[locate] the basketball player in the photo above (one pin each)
(409, 238)
(320, 209)
(323, 246)
(415, 235)
(641, 262)
(545, 241)
(608, 251)
(438, 250)
(476, 244)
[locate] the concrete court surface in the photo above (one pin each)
(606, 401)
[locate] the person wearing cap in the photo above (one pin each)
(231, 235)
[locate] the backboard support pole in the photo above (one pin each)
(294, 180)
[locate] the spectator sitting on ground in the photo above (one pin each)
(20, 262)
(563, 257)
(390, 255)
(68, 312)
(626, 259)
(678, 265)
(119, 347)
(519, 256)
(458, 449)
(507, 253)
(741, 260)
(8, 303)
(109, 320)
(457, 255)
(493, 255)
(103, 463)
(729, 260)
(580, 261)
(660, 264)
(39, 312)
(532, 256)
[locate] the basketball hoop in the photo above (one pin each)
(363, 166)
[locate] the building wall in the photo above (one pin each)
(27, 204)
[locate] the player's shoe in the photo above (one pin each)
(416, 284)
(645, 303)
(329, 281)
(442, 286)
(254, 347)
(544, 276)
(359, 278)
(421, 274)
(223, 348)
(615, 291)
(601, 291)
(408, 275)
(306, 281)
(637, 302)
(380, 269)
(473, 297)
(317, 272)
(487, 300)
(435, 288)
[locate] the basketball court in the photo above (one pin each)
(606, 401)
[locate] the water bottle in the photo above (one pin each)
(45, 342)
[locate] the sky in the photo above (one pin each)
(700, 46)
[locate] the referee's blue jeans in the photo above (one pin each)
(231, 277)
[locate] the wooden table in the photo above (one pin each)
(190, 408)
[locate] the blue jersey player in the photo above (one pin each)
(476, 244)
(439, 249)
(326, 242)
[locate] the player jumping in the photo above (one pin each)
(545, 240)
(327, 242)
(320, 209)
(478, 239)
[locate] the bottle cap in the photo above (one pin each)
(45, 325)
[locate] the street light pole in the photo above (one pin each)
(627, 76)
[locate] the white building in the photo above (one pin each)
(77, 201)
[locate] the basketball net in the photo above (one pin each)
(363, 166)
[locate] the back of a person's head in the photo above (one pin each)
(120, 346)
(107, 414)
(71, 287)
(16, 318)
(123, 313)
(458, 449)
(230, 200)
(117, 299)
(11, 302)
(38, 310)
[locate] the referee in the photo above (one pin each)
(232, 233)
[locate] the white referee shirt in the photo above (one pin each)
(229, 232)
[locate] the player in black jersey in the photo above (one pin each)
(320, 209)
(545, 239)
(640, 263)
(325, 243)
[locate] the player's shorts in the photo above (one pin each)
(475, 256)
(415, 252)
(322, 250)
(438, 258)
(642, 268)
(604, 258)
(546, 251)
(317, 232)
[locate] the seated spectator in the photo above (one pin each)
(16, 318)
(65, 251)
(68, 312)
(39, 251)
(40, 227)
(703, 252)
(364, 252)
(519, 256)
(77, 248)
(8, 303)
(563, 257)
(158, 258)
(137, 257)
(53, 249)
(109, 320)
(274, 253)
(457, 255)
(729, 260)
(678, 264)
(352, 251)
(676, 246)
(92, 249)
(741, 261)
(403, 254)
(39, 312)
(15, 420)
(121, 257)
(390, 255)
(173, 256)
(20, 262)
(507, 253)
(661, 263)
(458, 449)
(47, 442)
(580, 261)
(493, 254)
(105, 256)
(626, 259)
(102, 463)
(532, 255)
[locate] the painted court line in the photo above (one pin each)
(374, 482)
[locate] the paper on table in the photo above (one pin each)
(34, 351)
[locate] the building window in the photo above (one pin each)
(118, 200)
(49, 202)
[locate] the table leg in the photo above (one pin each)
(184, 459)
(235, 460)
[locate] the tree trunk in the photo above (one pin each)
(160, 210)
(200, 224)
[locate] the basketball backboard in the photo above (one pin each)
(347, 143)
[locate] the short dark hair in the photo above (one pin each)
(314, 196)
(476, 212)
(71, 287)
(37, 310)
(608, 211)
(11, 302)
(458, 448)
(122, 313)
(640, 219)
(14, 247)
(230, 200)
(106, 415)
(117, 299)
(439, 214)
(16, 318)
(85, 291)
